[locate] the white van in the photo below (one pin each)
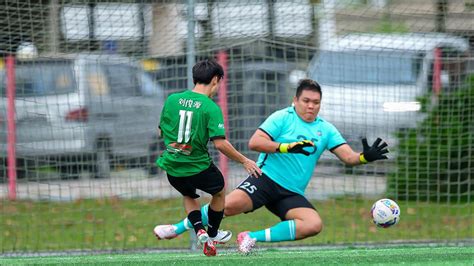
(82, 111)
(371, 83)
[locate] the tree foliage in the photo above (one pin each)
(436, 159)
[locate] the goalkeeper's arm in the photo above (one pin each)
(370, 153)
(261, 142)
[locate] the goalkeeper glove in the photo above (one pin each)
(295, 147)
(374, 152)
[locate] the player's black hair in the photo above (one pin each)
(308, 84)
(204, 71)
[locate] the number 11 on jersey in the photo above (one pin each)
(185, 118)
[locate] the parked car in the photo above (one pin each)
(82, 111)
(372, 82)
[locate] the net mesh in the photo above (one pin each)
(85, 81)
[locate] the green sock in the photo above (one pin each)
(185, 224)
(282, 231)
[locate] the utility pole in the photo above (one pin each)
(271, 18)
(54, 26)
(190, 44)
(441, 12)
(327, 25)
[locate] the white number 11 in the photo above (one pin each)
(185, 117)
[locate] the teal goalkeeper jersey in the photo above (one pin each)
(293, 171)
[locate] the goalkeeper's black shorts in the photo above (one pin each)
(263, 191)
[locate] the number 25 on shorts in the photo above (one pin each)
(248, 187)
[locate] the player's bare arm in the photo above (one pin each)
(377, 151)
(228, 150)
(261, 142)
(347, 155)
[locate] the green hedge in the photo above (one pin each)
(436, 160)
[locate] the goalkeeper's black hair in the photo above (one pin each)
(308, 84)
(204, 71)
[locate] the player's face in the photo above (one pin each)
(307, 105)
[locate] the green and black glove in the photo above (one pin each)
(295, 147)
(374, 152)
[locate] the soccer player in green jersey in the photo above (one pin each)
(290, 142)
(188, 121)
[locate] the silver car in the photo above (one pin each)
(372, 82)
(82, 112)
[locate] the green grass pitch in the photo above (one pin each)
(318, 256)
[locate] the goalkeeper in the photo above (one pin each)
(291, 141)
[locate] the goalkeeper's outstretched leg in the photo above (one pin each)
(299, 218)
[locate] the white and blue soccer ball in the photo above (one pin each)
(385, 213)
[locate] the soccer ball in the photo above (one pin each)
(385, 213)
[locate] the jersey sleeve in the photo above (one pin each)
(273, 124)
(216, 123)
(335, 138)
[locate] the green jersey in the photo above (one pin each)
(188, 121)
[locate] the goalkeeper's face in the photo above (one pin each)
(307, 105)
